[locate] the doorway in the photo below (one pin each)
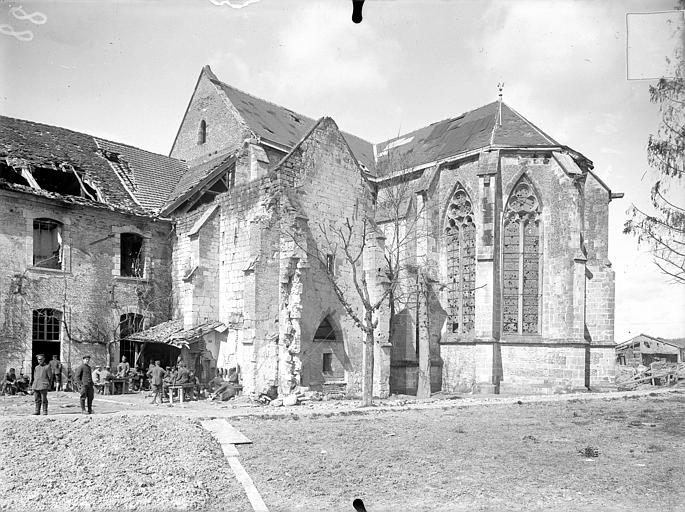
(45, 335)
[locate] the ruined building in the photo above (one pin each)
(221, 252)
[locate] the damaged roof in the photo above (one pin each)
(126, 177)
(172, 332)
(196, 174)
(469, 131)
(284, 126)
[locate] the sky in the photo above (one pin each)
(126, 70)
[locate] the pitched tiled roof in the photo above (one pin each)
(152, 177)
(469, 131)
(139, 184)
(285, 127)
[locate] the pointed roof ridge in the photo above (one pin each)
(308, 134)
(283, 126)
(543, 134)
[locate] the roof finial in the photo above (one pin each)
(500, 86)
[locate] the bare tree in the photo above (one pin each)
(349, 241)
(663, 228)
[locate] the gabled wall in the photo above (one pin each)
(226, 130)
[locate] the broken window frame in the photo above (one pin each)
(41, 259)
(131, 258)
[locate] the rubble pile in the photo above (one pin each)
(299, 395)
(98, 463)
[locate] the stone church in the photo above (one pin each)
(226, 252)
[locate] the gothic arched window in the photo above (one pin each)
(521, 261)
(460, 235)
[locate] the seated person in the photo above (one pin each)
(123, 368)
(182, 376)
(228, 389)
(192, 379)
(23, 383)
(136, 379)
(216, 382)
(168, 380)
(10, 384)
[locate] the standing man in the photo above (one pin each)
(56, 367)
(156, 374)
(84, 379)
(42, 381)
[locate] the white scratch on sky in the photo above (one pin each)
(234, 4)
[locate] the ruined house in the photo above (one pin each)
(513, 225)
(645, 349)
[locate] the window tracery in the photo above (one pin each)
(460, 234)
(521, 261)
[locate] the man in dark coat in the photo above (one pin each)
(84, 380)
(156, 374)
(42, 382)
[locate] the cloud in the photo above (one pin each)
(318, 53)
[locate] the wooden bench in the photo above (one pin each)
(181, 390)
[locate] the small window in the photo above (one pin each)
(202, 132)
(330, 263)
(47, 243)
(327, 363)
(132, 263)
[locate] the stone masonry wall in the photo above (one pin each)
(600, 286)
(88, 291)
(225, 128)
(328, 188)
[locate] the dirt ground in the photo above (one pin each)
(498, 457)
(466, 453)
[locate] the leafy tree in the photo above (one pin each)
(663, 228)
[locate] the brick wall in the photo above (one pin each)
(88, 290)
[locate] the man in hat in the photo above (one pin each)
(84, 380)
(42, 382)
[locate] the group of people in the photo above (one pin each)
(86, 380)
(162, 378)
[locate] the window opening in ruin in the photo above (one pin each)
(132, 262)
(327, 363)
(47, 243)
(45, 334)
(460, 233)
(330, 263)
(325, 331)
(521, 261)
(202, 132)
(64, 182)
(129, 323)
(11, 175)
